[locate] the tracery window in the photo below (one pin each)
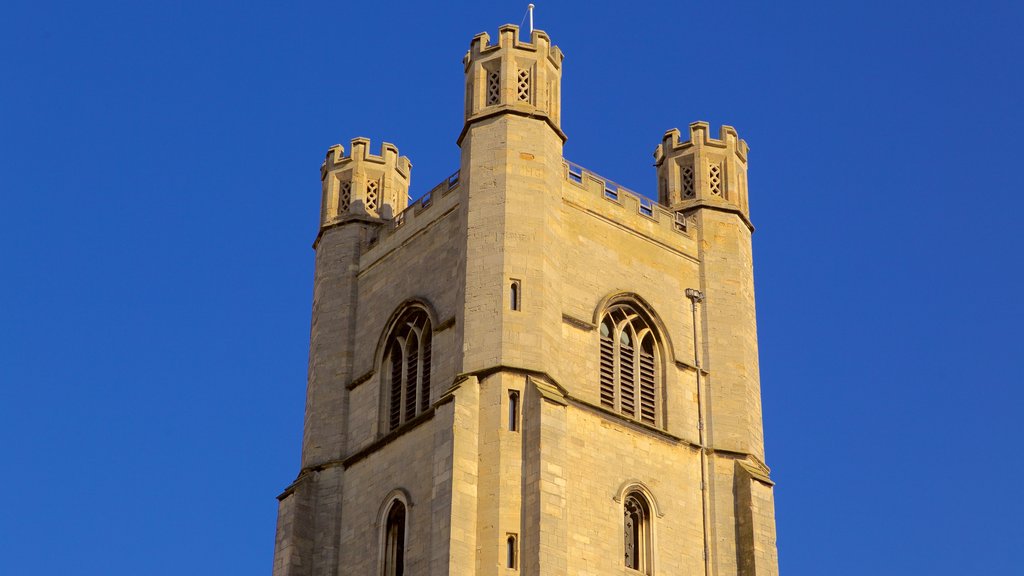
(637, 532)
(394, 540)
(372, 195)
(715, 179)
(344, 196)
(407, 367)
(493, 86)
(523, 86)
(688, 182)
(630, 376)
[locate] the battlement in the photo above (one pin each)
(513, 77)
(627, 207)
(703, 171)
(508, 37)
(361, 151)
(416, 216)
(362, 183)
(728, 139)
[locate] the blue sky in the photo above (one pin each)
(159, 192)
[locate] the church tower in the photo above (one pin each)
(531, 370)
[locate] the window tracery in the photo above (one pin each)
(629, 374)
(493, 87)
(637, 532)
(407, 365)
(344, 196)
(372, 195)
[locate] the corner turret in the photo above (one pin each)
(703, 172)
(363, 183)
(513, 77)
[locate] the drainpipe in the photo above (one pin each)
(695, 297)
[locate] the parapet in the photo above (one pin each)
(513, 76)
(699, 136)
(362, 183)
(703, 171)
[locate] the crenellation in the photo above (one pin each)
(513, 76)
(508, 37)
(700, 132)
(415, 217)
(703, 171)
(623, 326)
(637, 209)
(361, 150)
(362, 184)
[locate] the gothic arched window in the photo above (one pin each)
(394, 540)
(630, 377)
(407, 367)
(637, 532)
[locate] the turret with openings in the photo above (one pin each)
(513, 76)
(530, 370)
(363, 183)
(703, 171)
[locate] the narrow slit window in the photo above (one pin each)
(511, 552)
(514, 295)
(513, 411)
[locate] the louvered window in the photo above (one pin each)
(395, 401)
(425, 381)
(607, 365)
(629, 364)
(412, 364)
(407, 367)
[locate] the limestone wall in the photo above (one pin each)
(417, 261)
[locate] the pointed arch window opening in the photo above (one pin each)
(629, 364)
(513, 410)
(407, 367)
(637, 533)
(394, 540)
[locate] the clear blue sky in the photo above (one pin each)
(159, 192)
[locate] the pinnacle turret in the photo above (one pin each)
(513, 77)
(703, 171)
(362, 183)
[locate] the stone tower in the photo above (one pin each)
(531, 370)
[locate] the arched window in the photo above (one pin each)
(511, 552)
(513, 411)
(407, 367)
(394, 540)
(514, 295)
(629, 364)
(637, 532)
